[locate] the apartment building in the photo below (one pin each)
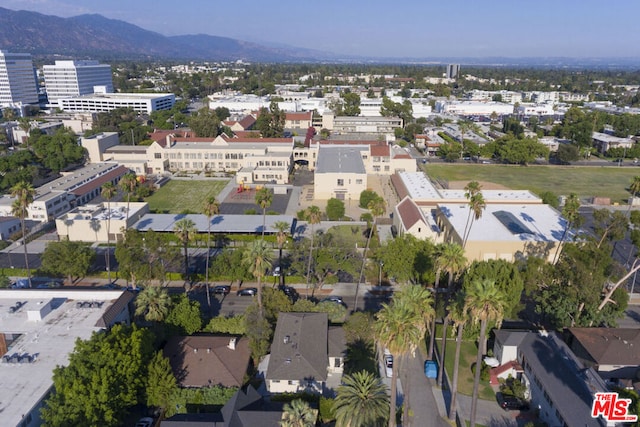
(68, 79)
(18, 84)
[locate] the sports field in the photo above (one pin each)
(183, 196)
(586, 181)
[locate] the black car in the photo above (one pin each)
(508, 402)
(247, 292)
(222, 289)
(288, 291)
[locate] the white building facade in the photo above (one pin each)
(68, 79)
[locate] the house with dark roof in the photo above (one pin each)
(120, 311)
(612, 352)
(299, 358)
(558, 385)
(208, 360)
(410, 219)
(247, 408)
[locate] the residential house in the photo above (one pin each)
(604, 142)
(558, 385)
(408, 218)
(299, 358)
(208, 360)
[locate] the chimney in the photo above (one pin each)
(195, 350)
(232, 344)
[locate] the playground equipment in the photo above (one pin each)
(243, 187)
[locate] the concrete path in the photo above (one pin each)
(422, 402)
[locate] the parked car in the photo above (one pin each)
(508, 402)
(49, 285)
(247, 292)
(276, 271)
(388, 365)
(289, 291)
(336, 299)
(110, 286)
(222, 289)
(145, 422)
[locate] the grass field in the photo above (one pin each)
(181, 196)
(585, 181)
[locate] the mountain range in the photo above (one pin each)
(98, 37)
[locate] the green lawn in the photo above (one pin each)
(180, 196)
(603, 181)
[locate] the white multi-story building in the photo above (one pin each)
(68, 79)
(102, 102)
(18, 83)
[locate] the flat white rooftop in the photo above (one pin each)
(419, 186)
(508, 222)
(51, 340)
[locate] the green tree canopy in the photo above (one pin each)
(184, 316)
(69, 259)
(335, 209)
(106, 375)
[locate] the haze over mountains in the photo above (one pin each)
(101, 38)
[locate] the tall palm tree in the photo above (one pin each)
(264, 198)
(257, 256)
(153, 303)
(484, 302)
(449, 259)
(108, 192)
(211, 209)
(377, 207)
(282, 227)
(361, 401)
(459, 318)
(313, 215)
(128, 184)
(399, 327)
(452, 261)
(634, 188)
(185, 229)
(298, 413)
(571, 214)
(24, 194)
(477, 204)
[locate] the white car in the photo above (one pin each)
(388, 365)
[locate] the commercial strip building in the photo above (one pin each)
(18, 83)
(68, 79)
(38, 332)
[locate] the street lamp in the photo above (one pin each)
(380, 274)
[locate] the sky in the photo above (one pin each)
(390, 29)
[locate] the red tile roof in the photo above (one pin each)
(402, 156)
(398, 185)
(247, 122)
(380, 150)
(265, 140)
(299, 116)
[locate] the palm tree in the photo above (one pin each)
(282, 227)
(484, 302)
(400, 327)
(361, 401)
(264, 198)
(211, 209)
(185, 229)
(634, 188)
(257, 257)
(476, 206)
(313, 215)
(471, 189)
(459, 318)
(153, 303)
(24, 194)
(298, 413)
(571, 214)
(128, 184)
(452, 261)
(108, 192)
(377, 207)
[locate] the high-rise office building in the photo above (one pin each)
(453, 70)
(18, 83)
(67, 79)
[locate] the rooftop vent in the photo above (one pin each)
(232, 343)
(287, 339)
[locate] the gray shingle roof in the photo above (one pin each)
(340, 159)
(299, 348)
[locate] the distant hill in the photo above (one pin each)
(100, 37)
